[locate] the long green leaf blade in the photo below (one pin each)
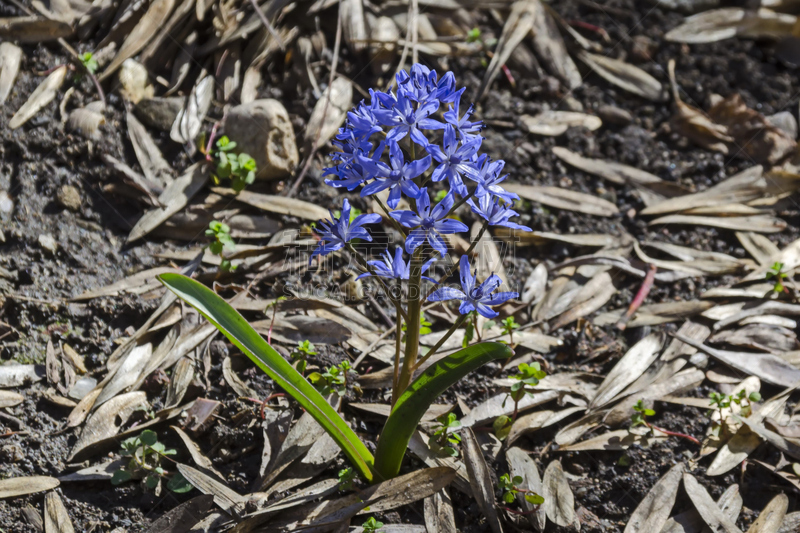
(419, 396)
(240, 333)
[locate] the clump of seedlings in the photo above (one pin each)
(146, 454)
(777, 275)
(89, 62)
(347, 478)
(527, 377)
(239, 168)
(445, 439)
(639, 418)
(721, 406)
(222, 241)
(300, 355)
(508, 325)
(510, 489)
(332, 380)
(371, 525)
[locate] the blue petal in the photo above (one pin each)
(449, 225)
(446, 293)
(437, 243)
(499, 298)
(408, 219)
(465, 307)
(415, 239)
(486, 311)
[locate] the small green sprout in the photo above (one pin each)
(474, 35)
(146, 453)
(640, 414)
(371, 525)
(89, 62)
(776, 274)
(347, 477)
(221, 233)
(508, 326)
(300, 355)
(444, 439)
(527, 377)
(510, 488)
(334, 379)
(240, 168)
(719, 402)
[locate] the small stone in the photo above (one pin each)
(6, 203)
(263, 130)
(571, 103)
(135, 81)
(82, 387)
(69, 197)
(47, 242)
(159, 113)
(614, 115)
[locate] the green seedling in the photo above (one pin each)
(510, 488)
(371, 525)
(334, 379)
(89, 62)
(776, 274)
(145, 454)
(527, 378)
(474, 35)
(240, 168)
(222, 240)
(719, 402)
(508, 326)
(445, 440)
(300, 355)
(347, 478)
(640, 414)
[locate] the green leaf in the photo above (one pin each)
(508, 497)
(243, 336)
(533, 498)
(120, 476)
(149, 437)
(179, 484)
(151, 481)
(419, 396)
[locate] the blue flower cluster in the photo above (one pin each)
(388, 143)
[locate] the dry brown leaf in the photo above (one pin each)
(625, 76)
(771, 517)
(183, 517)
(154, 166)
(33, 29)
(189, 120)
(538, 420)
(280, 205)
(550, 48)
(758, 223)
(197, 454)
(555, 123)
(518, 24)
(16, 375)
(594, 295)
(106, 421)
(174, 198)
(654, 314)
(439, 515)
(565, 199)
(521, 465)
(40, 97)
(56, 518)
(480, 479)
(617, 440)
(126, 373)
(559, 503)
(730, 502)
(497, 405)
(10, 399)
(20, 486)
(628, 369)
(137, 39)
(758, 246)
(354, 25)
(329, 113)
(711, 514)
(653, 511)
(225, 497)
(724, 23)
(10, 58)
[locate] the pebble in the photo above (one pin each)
(6, 203)
(81, 388)
(614, 115)
(69, 197)
(47, 242)
(263, 130)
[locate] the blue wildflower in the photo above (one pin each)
(395, 178)
(474, 297)
(395, 267)
(429, 223)
(405, 120)
(489, 178)
(338, 231)
(454, 160)
(496, 213)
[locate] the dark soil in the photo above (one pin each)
(39, 159)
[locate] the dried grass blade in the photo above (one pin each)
(40, 97)
(480, 479)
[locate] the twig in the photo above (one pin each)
(269, 26)
(638, 300)
(313, 150)
(673, 433)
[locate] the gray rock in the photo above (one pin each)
(48, 243)
(69, 197)
(263, 130)
(614, 115)
(159, 113)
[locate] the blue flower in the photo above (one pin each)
(353, 173)
(395, 267)
(454, 161)
(474, 297)
(397, 177)
(497, 214)
(429, 223)
(405, 120)
(338, 231)
(466, 130)
(488, 178)
(362, 120)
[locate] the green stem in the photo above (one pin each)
(441, 342)
(412, 324)
(397, 347)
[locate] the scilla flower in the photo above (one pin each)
(338, 231)
(395, 267)
(429, 223)
(474, 297)
(496, 213)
